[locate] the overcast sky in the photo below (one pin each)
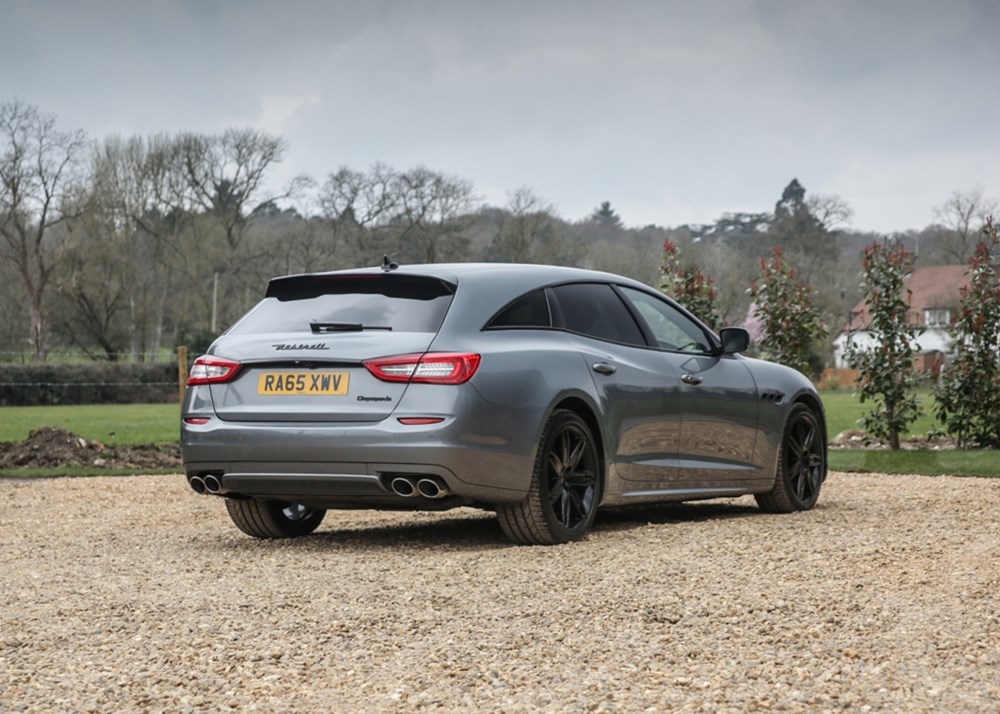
(674, 111)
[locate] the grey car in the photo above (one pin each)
(538, 392)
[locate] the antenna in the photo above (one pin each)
(388, 265)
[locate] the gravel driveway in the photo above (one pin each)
(125, 594)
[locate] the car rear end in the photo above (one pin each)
(332, 391)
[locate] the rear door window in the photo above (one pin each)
(531, 310)
(314, 303)
(595, 310)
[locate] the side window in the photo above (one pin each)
(531, 310)
(593, 309)
(672, 329)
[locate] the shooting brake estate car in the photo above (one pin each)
(538, 392)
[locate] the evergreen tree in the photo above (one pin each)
(606, 215)
(785, 306)
(687, 285)
(886, 373)
(968, 390)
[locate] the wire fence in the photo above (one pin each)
(92, 382)
(80, 357)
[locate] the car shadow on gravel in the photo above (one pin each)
(471, 533)
(480, 532)
(628, 517)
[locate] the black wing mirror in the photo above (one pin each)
(734, 339)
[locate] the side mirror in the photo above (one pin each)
(734, 339)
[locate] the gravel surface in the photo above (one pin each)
(133, 594)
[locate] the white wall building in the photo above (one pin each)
(935, 296)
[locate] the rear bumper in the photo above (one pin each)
(352, 464)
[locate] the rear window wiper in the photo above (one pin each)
(322, 327)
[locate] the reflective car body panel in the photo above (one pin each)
(673, 421)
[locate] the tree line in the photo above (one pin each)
(124, 247)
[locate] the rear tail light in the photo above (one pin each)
(430, 368)
(212, 370)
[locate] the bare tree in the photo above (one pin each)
(93, 282)
(831, 212)
(354, 203)
(963, 216)
(136, 210)
(38, 171)
(432, 206)
(526, 224)
(225, 176)
(418, 214)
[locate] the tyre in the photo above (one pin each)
(801, 464)
(273, 519)
(562, 500)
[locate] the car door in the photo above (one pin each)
(639, 390)
(717, 397)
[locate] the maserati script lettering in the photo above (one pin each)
(317, 346)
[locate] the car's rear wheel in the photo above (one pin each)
(562, 501)
(801, 465)
(273, 519)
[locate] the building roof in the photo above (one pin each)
(931, 286)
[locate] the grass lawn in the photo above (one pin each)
(927, 463)
(843, 409)
(111, 424)
(134, 424)
(81, 471)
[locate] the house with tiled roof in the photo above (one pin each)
(935, 296)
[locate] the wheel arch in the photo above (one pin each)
(816, 405)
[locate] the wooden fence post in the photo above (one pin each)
(182, 372)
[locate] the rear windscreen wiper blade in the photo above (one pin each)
(321, 327)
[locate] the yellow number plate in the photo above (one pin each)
(321, 383)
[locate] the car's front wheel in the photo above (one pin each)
(562, 501)
(273, 519)
(801, 465)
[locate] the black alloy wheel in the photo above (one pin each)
(570, 476)
(801, 466)
(562, 501)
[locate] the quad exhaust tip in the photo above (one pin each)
(410, 486)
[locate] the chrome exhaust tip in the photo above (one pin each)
(212, 483)
(403, 487)
(431, 488)
(197, 484)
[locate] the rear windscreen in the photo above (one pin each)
(401, 303)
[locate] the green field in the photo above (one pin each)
(133, 424)
(928, 463)
(110, 424)
(844, 409)
(125, 424)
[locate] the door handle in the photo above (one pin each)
(604, 368)
(691, 379)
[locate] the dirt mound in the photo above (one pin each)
(47, 447)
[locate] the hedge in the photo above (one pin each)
(94, 383)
